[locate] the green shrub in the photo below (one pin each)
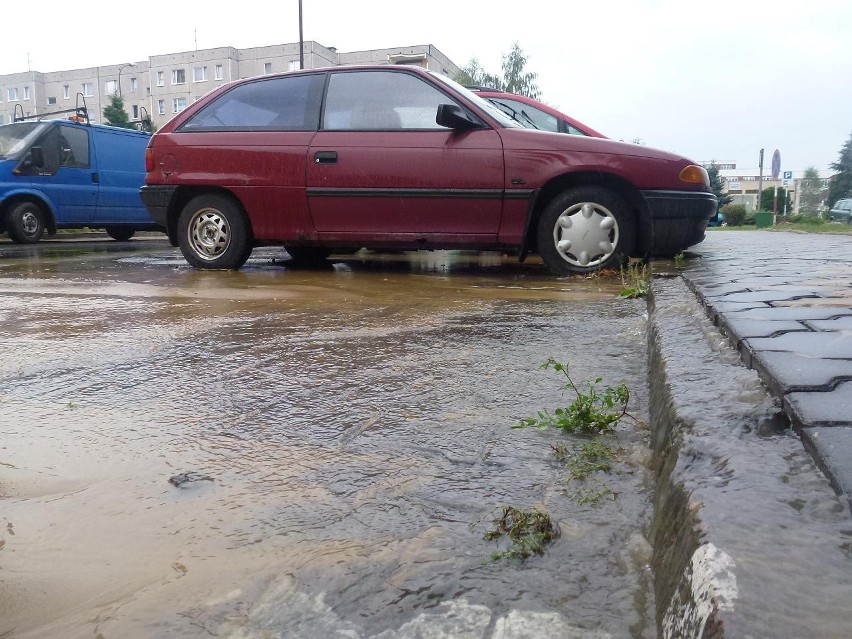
(806, 219)
(735, 214)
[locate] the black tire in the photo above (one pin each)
(307, 255)
(120, 233)
(25, 223)
(584, 229)
(213, 233)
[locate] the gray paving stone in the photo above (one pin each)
(796, 313)
(789, 372)
(832, 450)
(742, 328)
(769, 295)
(826, 408)
(827, 344)
(838, 324)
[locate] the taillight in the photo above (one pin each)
(149, 160)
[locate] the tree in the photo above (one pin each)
(114, 113)
(474, 74)
(812, 192)
(516, 79)
(841, 183)
(717, 186)
(515, 76)
(767, 199)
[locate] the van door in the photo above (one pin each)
(121, 172)
(69, 175)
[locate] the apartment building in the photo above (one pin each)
(164, 85)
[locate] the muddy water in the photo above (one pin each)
(344, 429)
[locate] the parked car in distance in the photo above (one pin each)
(393, 157)
(534, 114)
(71, 174)
(841, 211)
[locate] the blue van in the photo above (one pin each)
(71, 174)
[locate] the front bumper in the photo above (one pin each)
(157, 199)
(678, 219)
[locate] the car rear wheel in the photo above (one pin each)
(120, 233)
(585, 229)
(214, 233)
(25, 223)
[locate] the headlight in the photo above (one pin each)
(694, 174)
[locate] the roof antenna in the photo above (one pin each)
(195, 34)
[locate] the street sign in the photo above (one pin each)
(776, 164)
(788, 175)
(785, 181)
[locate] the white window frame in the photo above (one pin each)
(293, 65)
(135, 109)
(12, 94)
(133, 85)
(220, 69)
(161, 107)
(199, 74)
(87, 90)
(110, 87)
(65, 92)
(161, 80)
(26, 93)
(177, 73)
(267, 68)
(176, 102)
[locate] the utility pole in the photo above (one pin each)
(760, 181)
(301, 40)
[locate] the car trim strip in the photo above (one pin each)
(440, 193)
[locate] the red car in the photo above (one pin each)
(533, 114)
(397, 157)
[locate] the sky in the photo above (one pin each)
(713, 80)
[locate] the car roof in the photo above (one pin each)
(490, 92)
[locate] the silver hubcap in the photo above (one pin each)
(209, 234)
(30, 223)
(586, 234)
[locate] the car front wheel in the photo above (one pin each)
(585, 229)
(25, 223)
(213, 233)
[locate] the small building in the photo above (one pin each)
(164, 85)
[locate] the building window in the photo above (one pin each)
(199, 74)
(135, 109)
(160, 80)
(12, 95)
(219, 71)
(293, 66)
(65, 92)
(88, 91)
(178, 76)
(110, 87)
(267, 68)
(51, 101)
(26, 93)
(161, 107)
(133, 85)
(178, 104)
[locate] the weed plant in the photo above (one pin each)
(528, 532)
(635, 280)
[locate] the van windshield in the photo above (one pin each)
(16, 138)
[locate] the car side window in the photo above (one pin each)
(541, 119)
(381, 101)
(274, 104)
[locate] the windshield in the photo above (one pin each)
(16, 138)
(485, 105)
(520, 117)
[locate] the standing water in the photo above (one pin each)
(300, 454)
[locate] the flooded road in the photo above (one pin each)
(338, 440)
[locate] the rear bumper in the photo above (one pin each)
(678, 219)
(157, 199)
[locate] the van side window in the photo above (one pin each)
(74, 147)
(275, 104)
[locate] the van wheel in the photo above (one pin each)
(25, 223)
(120, 233)
(214, 233)
(584, 229)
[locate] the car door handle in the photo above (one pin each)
(325, 157)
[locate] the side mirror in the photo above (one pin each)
(453, 116)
